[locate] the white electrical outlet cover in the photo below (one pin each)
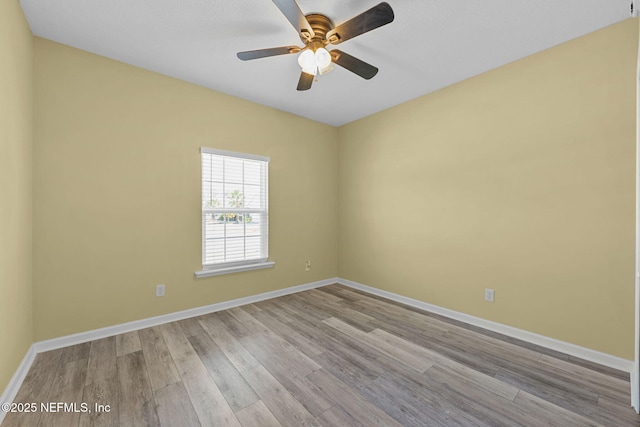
(489, 295)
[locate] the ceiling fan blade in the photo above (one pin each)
(292, 12)
(353, 64)
(373, 18)
(264, 53)
(305, 81)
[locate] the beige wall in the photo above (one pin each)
(16, 50)
(520, 180)
(117, 192)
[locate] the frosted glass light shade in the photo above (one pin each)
(307, 61)
(323, 61)
(323, 58)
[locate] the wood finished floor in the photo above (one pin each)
(331, 356)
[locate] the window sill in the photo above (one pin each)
(237, 269)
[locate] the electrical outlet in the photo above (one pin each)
(307, 266)
(160, 290)
(489, 295)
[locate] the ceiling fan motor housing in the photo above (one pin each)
(321, 25)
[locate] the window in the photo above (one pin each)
(235, 218)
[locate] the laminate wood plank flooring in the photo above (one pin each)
(331, 356)
(136, 405)
(207, 399)
(174, 407)
(67, 386)
(101, 384)
(159, 361)
(177, 342)
(127, 343)
(235, 352)
(101, 391)
(35, 388)
(233, 386)
(257, 415)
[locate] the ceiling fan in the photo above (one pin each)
(316, 32)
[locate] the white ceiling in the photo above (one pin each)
(430, 45)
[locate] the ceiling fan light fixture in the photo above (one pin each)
(307, 62)
(323, 60)
(325, 70)
(315, 62)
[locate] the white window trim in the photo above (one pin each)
(234, 154)
(236, 269)
(208, 271)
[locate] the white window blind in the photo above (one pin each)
(234, 210)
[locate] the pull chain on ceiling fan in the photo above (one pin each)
(316, 32)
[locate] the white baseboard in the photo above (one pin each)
(10, 391)
(551, 343)
(109, 331)
(635, 404)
